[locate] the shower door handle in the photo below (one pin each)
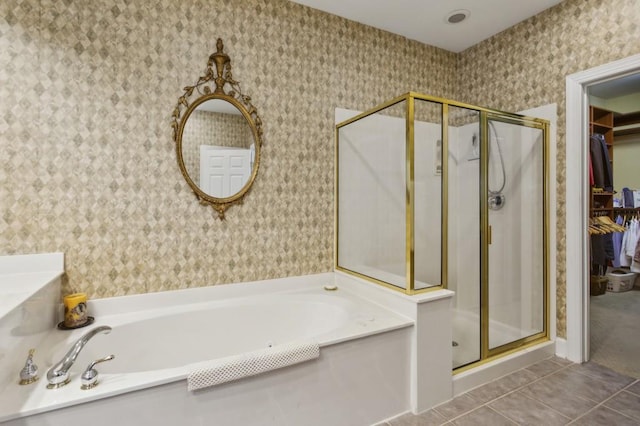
(489, 235)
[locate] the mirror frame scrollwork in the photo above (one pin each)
(213, 85)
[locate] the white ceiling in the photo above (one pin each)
(621, 86)
(425, 20)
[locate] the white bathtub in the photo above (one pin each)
(158, 339)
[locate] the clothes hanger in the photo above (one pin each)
(609, 224)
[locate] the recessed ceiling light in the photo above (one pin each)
(457, 16)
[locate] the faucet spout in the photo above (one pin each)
(58, 375)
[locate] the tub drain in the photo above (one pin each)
(454, 343)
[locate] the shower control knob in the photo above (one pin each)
(496, 201)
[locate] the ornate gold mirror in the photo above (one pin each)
(218, 136)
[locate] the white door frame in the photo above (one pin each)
(577, 199)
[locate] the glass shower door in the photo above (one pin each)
(515, 191)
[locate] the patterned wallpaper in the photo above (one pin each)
(88, 160)
(89, 163)
(526, 66)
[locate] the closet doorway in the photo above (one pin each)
(614, 224)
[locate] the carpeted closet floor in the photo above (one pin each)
(615, 331)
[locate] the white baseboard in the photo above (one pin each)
(561, 347)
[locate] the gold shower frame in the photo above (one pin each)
(485, 114)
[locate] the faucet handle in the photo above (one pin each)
(29, 372)
(89, 378)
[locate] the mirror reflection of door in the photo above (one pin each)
(224, 170)
(218, 148)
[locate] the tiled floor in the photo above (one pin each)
(551, 392)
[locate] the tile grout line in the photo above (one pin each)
(503, 415)
(613, 409)
(561, 368)
(637, 381)
(523, 386)
(450, 421)
(601, 404)
(486, 404)
(565, 367)
(541, 402)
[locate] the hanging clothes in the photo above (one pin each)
(617, 243)
(602, 250)
(623, 259)
(635, 253)
(630, 241)
(602, 173)
(627, 198)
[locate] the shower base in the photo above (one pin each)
(466, 336)
(466, 332)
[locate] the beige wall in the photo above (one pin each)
(626, 162)
(622, 104)
(89, 164)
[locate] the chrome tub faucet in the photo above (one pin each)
(58, 375)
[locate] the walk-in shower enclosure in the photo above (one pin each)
(433, 193)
